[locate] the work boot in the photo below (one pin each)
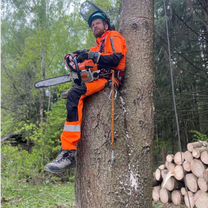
(64, 160)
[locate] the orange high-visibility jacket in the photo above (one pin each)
(113, 49)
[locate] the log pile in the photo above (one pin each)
(183, 179)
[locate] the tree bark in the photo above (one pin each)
(127, 181)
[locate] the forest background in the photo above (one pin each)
(35, 36)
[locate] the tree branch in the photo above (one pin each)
(185, 23)
(203, 6)
(10, 77)
(179, 54)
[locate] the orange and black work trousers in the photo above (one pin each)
(72, 129)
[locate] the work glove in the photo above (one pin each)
(82, 56)
(95, 56)
(78, 52)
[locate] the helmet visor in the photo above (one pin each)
(87, 9)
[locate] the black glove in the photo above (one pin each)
(78, 52)
(82, 55)
(78, 82)
(95, 56)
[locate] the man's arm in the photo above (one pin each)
(109, 59)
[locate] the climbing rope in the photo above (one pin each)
(113, 116)
(173, 90)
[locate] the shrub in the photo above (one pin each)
(21, 164)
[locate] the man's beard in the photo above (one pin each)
(99, 33)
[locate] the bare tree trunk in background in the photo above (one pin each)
(43, 97)
(43, 25)
(126, 182)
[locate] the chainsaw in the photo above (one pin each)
(86, 71)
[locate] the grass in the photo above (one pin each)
(47, 195)
(24, 184)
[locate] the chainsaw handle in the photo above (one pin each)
(69, 58)
(77, 69)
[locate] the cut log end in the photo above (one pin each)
(156, 193)
(176, 197)
(191, 182)
(202, 200)
(179, 172)
(179, 158)
(204, 157)
(164, 195)
(197, 168)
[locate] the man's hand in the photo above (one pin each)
(95, 56)
(84, 55)
(78, 52)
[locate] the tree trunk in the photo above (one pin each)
(126, 182)
(43, 26)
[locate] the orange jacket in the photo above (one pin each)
(113, 49)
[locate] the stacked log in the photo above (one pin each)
(183, 179)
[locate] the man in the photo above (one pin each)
(109, 54)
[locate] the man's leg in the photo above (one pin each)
(72, 129)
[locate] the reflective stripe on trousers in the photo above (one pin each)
(71, 128)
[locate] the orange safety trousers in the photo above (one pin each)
(72, 128)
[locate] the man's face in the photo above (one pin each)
(98, 27)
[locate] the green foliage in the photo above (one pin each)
(162, 145)
(157, 205)
(7, 124)
(47, 135)
(46, 139)
(20, 164)
(197, 136)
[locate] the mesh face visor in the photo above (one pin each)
(88, 9)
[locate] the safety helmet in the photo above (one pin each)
(98, 15)
(90, 12)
